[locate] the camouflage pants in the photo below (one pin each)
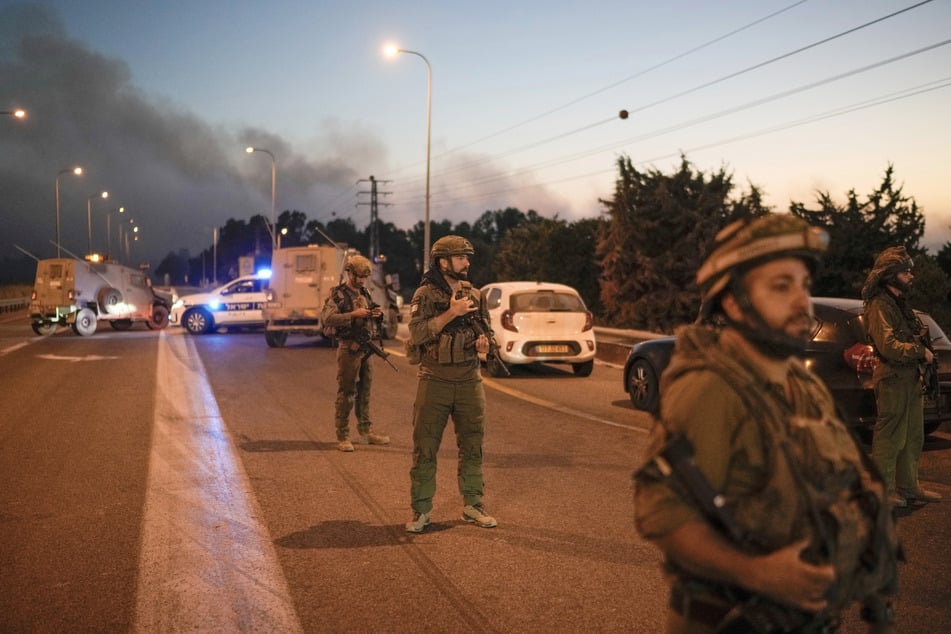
(354, 378)
(899, 434)
(435, 402)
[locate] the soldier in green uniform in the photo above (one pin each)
(448, 328)
(898, 337)
(351, 315)
(790, 526)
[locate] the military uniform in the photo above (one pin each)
(746, 417)
(450, 383)
(895, 332)
(354, 369)
(779, 466)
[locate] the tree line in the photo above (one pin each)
(635, 264)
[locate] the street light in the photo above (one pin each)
(19, 114)
(102, 194)
(249, 150)
(392, 52)
(77, 171)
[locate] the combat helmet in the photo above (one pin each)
(359, 265)
(449, 246)
(744, 244)
(888, 265)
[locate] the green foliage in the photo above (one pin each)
(658, 232)
(859, 231)
(930, 289)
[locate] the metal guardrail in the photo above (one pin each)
(10, 305)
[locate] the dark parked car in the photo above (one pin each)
(837, 352)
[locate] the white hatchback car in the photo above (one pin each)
(540, 322)
(236, 304)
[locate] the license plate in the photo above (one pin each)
(552, 349)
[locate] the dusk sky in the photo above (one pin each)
(157, 100)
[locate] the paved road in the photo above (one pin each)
(162, 482)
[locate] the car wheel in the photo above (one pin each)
(121, 324)
(197, 321)
(43, 328)
(642, 386)
(494, 366)
(159, 318)
(275, 338)
(85, 323)
(109, 300)
(583, 369)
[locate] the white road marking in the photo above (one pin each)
(14, 347)
(88, 357)
(207, 562)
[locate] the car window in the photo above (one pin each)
(244, 286)
(305, 263)
(493, 299)
(546, 302)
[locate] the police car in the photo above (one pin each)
(236, 304)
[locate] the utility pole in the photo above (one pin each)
(374, 213)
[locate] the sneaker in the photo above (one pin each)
(476, 513)
(420, 521)
(920, 495)
(373, 439)
(897, 500)
(344, 445)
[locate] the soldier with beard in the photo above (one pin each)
(448, 329)
(774, 521)
(898, 337)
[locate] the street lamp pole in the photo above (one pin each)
(77, 171)
(120, 210)
(249, 150)
(103, 194)
(392, 50)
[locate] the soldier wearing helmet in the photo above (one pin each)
(900, 340)
(766, 438)
(352, 318)
(449, 327)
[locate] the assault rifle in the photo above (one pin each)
(930, 381)
(366, 342)
(476, 322)
(756, 613)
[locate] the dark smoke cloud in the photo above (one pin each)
(177, 175)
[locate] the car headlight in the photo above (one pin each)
(178, 304)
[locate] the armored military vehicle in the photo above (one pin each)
(81, 293)
(302, 279)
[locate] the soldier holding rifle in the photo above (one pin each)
(765, 508)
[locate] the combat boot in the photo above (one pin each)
(919, 495)
(897, 500)
(372, 438)
(475, 513)
(345, 445)
(419, 522)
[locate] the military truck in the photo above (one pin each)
(81, 293)
(302, 279)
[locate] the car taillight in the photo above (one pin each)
(861, 357)
(269, 295)
(70, 294)
(33, 296)
(588, 321)
(508, 321)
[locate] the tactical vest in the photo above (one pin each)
(456, 342)
(358, 328)
(819, 483)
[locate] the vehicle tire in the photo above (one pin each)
(197, 321)
(391, 325)
(120, 324)
(583, 369)
(159, 318)
(642, 386)
(275, 338)
(85, 324)
(494, 366)
(43, 328)
(109, 300)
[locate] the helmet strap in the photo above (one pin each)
(772, 343)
